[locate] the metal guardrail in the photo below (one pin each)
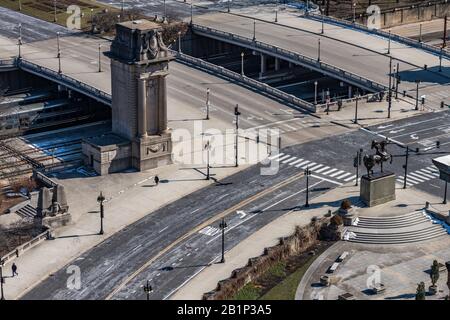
(25, 247)
(267, 89)
(394, 37)
(293, 57)
(8, 62)
(65, 80)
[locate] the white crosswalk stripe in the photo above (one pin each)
(322, 169)
(418, 177)
(316, 167)
(283, 158)
(336, 173)
(276, 156)
(302, 163)
(309, 165)
(289, 160)
(353, 177)
(343, 175)
(296, 161)
(329, 171)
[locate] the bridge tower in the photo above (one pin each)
(140, 138)
(139, 66)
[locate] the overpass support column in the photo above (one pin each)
(350, 92)
(277, 64)
(263, 66)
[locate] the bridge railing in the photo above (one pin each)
(295, 57)
(394, 37)
(8, 62)
(65, 80)
(255, 84)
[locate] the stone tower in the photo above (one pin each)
(139, 66)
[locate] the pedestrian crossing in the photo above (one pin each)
(419, 176)
(316, 168)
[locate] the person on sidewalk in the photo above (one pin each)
(14, 270)
(156, 180)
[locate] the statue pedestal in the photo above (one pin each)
(377, 189)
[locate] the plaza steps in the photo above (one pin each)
(409, 228)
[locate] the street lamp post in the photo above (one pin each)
(417, 94)
(148, 289)
(59, 53)
(2, 281)
(192, 11)
(397, 79)
(207, 104)
(318, 50)
(307, 174)
(356, 163)
(390, 88)
(165, 12)
(445, 193)
(354, 12)
(236, 145)
(99, 58)
(229, 3)
(315, 92)
(100, 200)
(179, 41)
(323, 22)
(254, 29)
(208, 149)
(223, 225)
(389, 43)
(54, 11)
(356, 109)
(242, 63)
(440, 59)
(19, 42)
(420, 33)
(276, 15)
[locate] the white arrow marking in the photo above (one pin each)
(396, 131)
(414, 137)
(241, 213)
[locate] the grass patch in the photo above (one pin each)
(249, 292)
(44, 9)
(287, 288)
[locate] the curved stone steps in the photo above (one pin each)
(407, 228)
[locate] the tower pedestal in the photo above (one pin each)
(152, 151)
(377, 188)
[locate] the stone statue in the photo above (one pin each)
(381, 155)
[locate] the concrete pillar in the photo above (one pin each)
(263, 66)
(350, 92)
(277, 64)
(142, 106)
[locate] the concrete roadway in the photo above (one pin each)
(176, 242)
(431, 30)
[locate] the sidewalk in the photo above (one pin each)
(130, 196)
(372, 113)
(407, 201)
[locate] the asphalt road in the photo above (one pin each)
(119, 266)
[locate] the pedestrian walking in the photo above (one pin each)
(14, 270)
(156, 180)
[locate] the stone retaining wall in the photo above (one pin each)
(301, 241)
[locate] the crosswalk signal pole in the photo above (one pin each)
(405, 166)
(236, 146)
(390, 89)
(356, 166)
(307, 174)
(207, 103)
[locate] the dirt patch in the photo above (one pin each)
(7, 202)
(16, 235)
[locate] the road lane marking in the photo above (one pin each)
(200, 227)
